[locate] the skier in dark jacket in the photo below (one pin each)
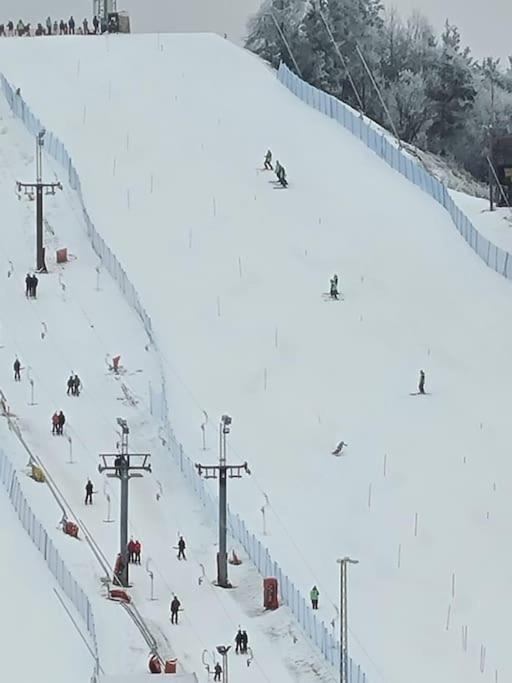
(88, 492)
(421, 383)
(218, 672)
(281, 175)
(17, 369)
(334, 294)
(71, 24)
(62, 421)
(35, 282)
(28, 285)
(85, 24)
(76, 386)
(268, 161)
(62, 27)
(181, 549)
(95, 23)
(175, 606)
(245, 642)
(238, 641)
(71, 384)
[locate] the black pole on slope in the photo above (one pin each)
(124, 465)
(222, 471)
(38, 187)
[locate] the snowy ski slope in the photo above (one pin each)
(168, 135)
(69, 328)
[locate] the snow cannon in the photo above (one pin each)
(37, 474)
(270, 593)
(154, 665)
(71, 529)
(170, 666)
(119, 595)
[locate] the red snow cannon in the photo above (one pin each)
(154, 665)
(71, 529)
(170, 666)
(270, 593)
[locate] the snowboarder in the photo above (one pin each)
(137, 550)
(175, 606)
(181, 549)
(17, 369)
(71, 384)
(339, 448)
(55, 423)
(268, 161)
(62, 421)
(238, 641)
(71, 24)
(245, 642)
(76, 386)
(421, 383)
(218, 672)
(88, 492)
(313, 596)
(333, 291)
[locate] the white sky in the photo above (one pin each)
(486, 26)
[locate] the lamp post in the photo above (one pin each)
(223, 650)
(343, 618)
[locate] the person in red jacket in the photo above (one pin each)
(137, 548)
(131, 550)
(55, 423)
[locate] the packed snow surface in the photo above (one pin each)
(168, 134)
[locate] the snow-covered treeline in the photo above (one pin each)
(439, 97)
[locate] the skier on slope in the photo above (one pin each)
(137, 549)
(314, 594)
(181, 549)
(421, 383)
(89, 490)
(218, 672)
(245, 642)
(238, 641)
(281, 176)
(333, 291)
(62, 421)
(268, 161)
(76, 386)
(175, 606)
(17, 370)
(55, 423)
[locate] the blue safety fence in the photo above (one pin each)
(387, 149)
(41, 539)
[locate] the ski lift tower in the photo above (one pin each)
(102, 8)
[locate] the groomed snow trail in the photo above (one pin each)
(168, 134)
(82, 324)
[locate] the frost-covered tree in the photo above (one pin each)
(408, 103)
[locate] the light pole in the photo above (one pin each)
(343, 618)
(223, 469)
(223, 650)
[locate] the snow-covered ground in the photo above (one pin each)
(72, 326)
(495, 225)
(168, 135)
(44, 647)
